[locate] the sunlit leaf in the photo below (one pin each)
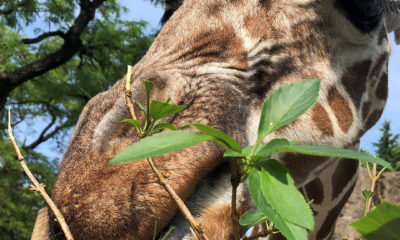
(159, 144)
(286, 104)
(382, 223)
(327, 151)
(288, 229)
(164, 125)
(159, 110)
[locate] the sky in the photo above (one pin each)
(144, 10)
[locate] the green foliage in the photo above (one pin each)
(381, 223)
(270, 184)
(388, 146)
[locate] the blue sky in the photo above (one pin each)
(143, 10)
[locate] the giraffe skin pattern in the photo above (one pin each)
(221, 58)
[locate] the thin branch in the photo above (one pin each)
(373, 182)
(197, 228)
(43, 36)
(38, 187)
(43, 137)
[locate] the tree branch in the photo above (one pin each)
(43, 136)
(72, 44)
(43, 36)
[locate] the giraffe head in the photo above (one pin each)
(221, 58)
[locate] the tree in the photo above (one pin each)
(388, 146)
(49, 78)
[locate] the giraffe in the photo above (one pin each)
(222, 58)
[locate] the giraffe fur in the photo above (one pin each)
(222, 58)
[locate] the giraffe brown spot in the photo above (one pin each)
(373, 118)
(379, 65)
(354, 80)
(308, 163)
(314, 191)
(365, 110)
(382, 89)
(255, 24)
(344, 172)
(277, 236)
(341, 109)
(321, 119)
(333, 214)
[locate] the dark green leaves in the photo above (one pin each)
(382, 223)
(286, 104)
(328, 151)
(159, 144)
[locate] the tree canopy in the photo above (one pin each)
(54, 56)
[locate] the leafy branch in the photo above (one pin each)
(155, 111)
(270, 184)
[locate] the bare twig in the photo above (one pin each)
(37, 187)
(373, 182)
(43, 36)
(197, 228)
(181, 205)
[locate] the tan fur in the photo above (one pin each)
(222, 58)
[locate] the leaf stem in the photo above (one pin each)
(181, 205)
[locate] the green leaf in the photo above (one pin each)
(159, 144)
(143, 108)
(286, 104)
(367, 194)
(134, 122)
(328, 151)
(251, 218)
(170, 229)
(278, 188)
(164, 125)
(149, 86)
(262, 150)
(290, 230)
(159, 110)
(382, 223)
(226, 140)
